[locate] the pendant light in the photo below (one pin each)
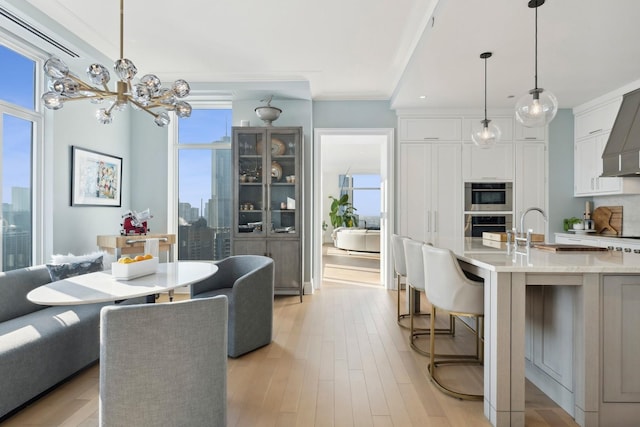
(489, 134)
(538, 107)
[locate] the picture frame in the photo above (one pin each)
(96, 178)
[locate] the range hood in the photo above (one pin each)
(621, 155)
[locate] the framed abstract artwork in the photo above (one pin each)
(96, 178)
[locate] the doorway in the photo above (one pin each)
(339, 152)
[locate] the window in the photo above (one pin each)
(18, 124)
(364, 194)
(204, 185)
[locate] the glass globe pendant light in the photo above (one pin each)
(538, 107)
(489, 134)
(147, 95)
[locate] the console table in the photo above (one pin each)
(134, 244)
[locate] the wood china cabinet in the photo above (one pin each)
(267, 200)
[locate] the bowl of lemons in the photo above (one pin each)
(127, 268)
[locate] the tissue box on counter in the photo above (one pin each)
(121, 271)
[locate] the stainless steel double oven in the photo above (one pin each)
(488, 206)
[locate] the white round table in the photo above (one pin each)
(103, 287)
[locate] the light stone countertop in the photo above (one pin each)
(494, 256)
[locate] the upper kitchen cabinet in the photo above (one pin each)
(596, 120)
(523, 133)
(487, 164)
(430, 129)
(591, 133)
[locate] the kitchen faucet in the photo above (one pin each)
(526, 236)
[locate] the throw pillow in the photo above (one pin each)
(64, 266)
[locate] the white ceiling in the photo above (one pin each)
(372, 49)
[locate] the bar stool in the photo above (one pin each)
(400, 266)
(449, 289)
(416, 282)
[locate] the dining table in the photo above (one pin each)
(102, 286)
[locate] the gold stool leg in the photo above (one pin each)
(401, 316)
(461, 359)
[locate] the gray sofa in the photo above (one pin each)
(39, 345)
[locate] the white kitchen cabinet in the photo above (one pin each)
(598, 119)
(505, 124)
(531, 184)
(591, 132)
(487, 164)
(588, 168)
(430, 129)
(430, 193)
(523, 133)
(588, 161)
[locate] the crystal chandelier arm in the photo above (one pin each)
(88, 88)
(143, 107)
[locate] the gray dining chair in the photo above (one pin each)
(164, 364)
(248, 283)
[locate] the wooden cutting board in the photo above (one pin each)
(567, 248)
(502, 237)
(607, 220)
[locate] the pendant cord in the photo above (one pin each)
(121, 29)
(485, 89)
(536, 56)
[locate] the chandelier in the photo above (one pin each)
(146, 95)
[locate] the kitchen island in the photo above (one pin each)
(569, 322)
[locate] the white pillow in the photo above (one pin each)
(71, 258)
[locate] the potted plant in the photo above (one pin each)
(342, 212)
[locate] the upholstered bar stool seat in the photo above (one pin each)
(416, 282)
(449, 289)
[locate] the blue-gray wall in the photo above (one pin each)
(353, 114)
(562, 204)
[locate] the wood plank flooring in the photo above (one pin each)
(337, 359)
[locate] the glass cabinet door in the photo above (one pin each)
(251, 182)
(283, 181)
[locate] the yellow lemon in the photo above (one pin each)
(139, 258)
(148, 256)
(125, 260)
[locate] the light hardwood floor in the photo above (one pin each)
(337, 359)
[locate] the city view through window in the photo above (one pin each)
(364, 194)
(204, 185)
(17, 114)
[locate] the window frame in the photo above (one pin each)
(41, 173)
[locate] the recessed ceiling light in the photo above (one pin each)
(423, 97)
